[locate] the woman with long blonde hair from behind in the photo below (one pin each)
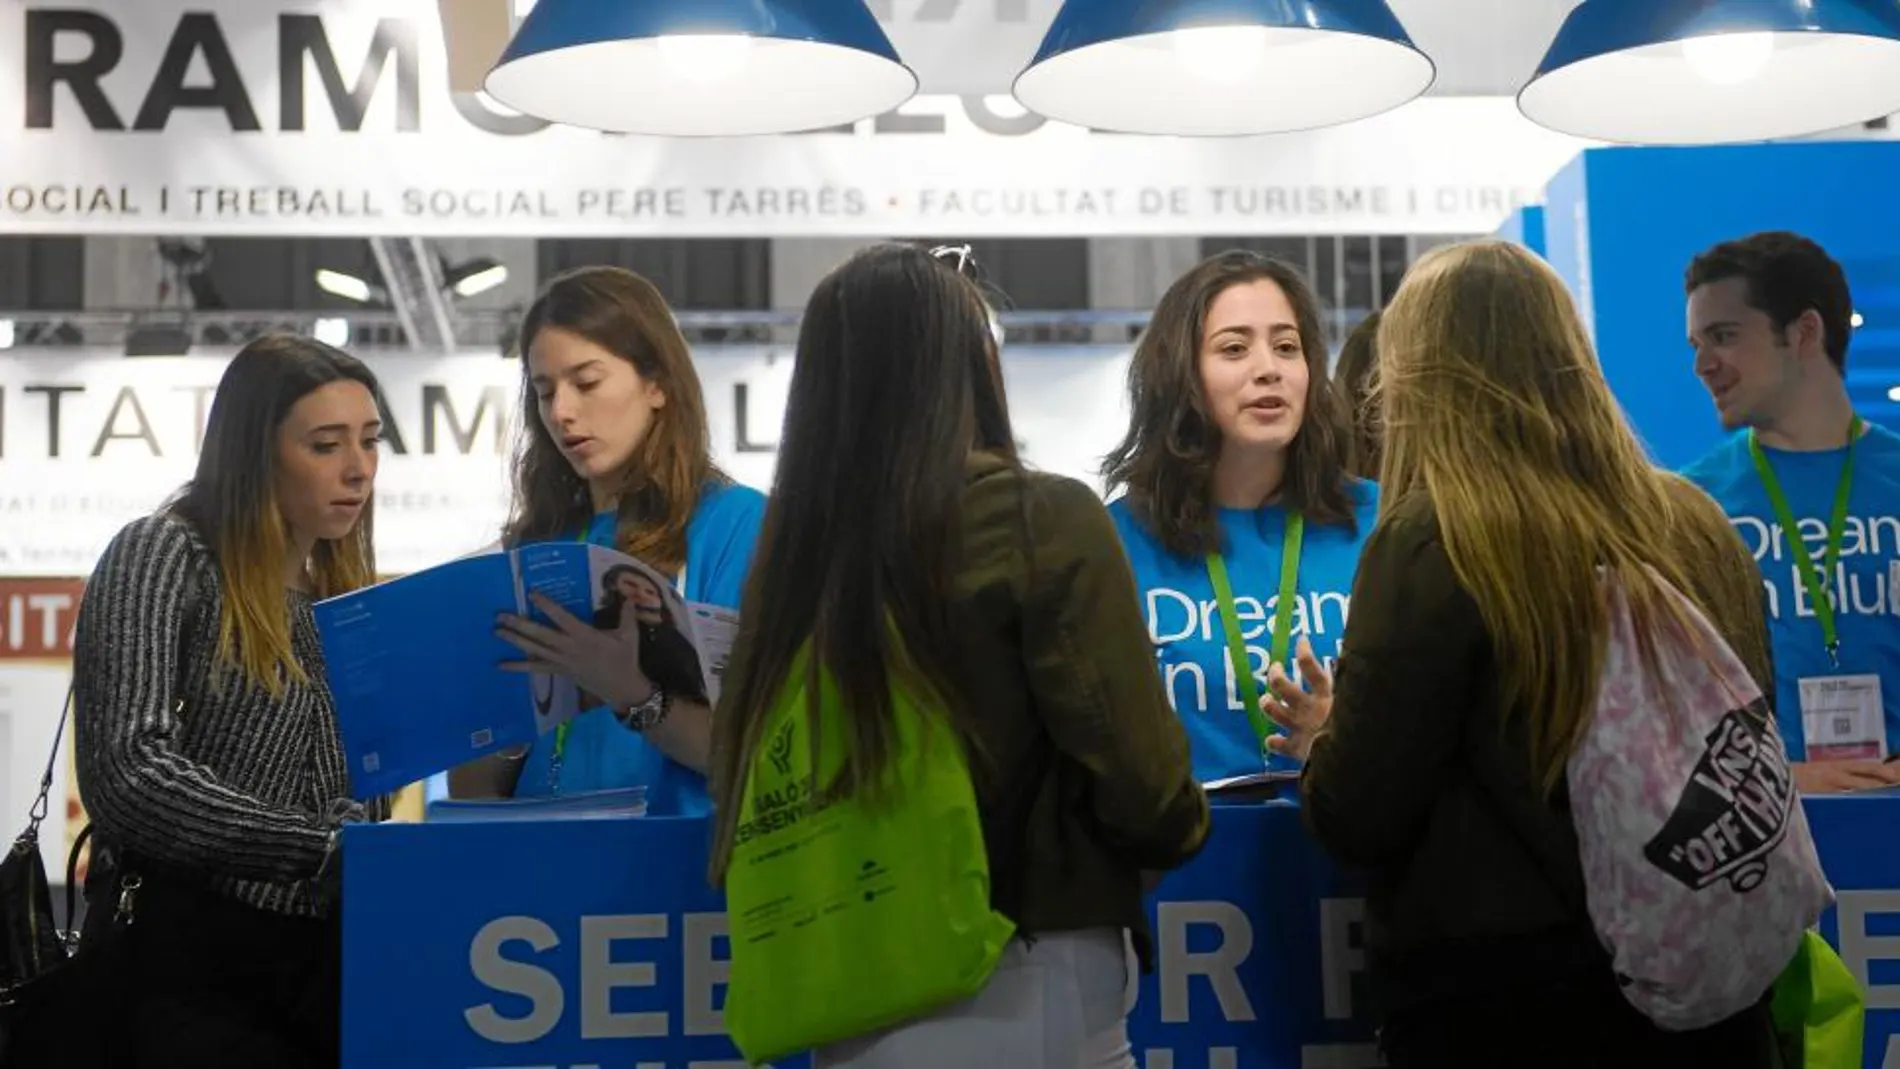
(1510, 477)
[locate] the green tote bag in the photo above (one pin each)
(1819, 1010)
(847, 918)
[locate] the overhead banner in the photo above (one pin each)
(277, 117)
(89, 442)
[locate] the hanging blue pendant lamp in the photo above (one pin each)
(701, 67)
(1222, 67)
(1713, 71)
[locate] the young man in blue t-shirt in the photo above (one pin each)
(1814, 491)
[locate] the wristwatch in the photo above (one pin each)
(645, 715)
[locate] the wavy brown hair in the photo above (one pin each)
(1355, 371)
(1497, 412)
(1166, 462)
(861, 545)
(231, 502)
(624, 314)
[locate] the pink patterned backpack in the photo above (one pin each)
(1701, 872)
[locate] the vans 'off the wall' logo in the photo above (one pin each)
(1734, 809)
(779, 749)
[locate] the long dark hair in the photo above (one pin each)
(231, 502)
(1356, 374)
(624, 314)
(1166, 462)
(896, 383)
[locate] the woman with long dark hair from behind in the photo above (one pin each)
(615, 451)
(207, 749)
(1512, 483)
(899, 497)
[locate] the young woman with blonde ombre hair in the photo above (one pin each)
(1511, 480)
(206, 743)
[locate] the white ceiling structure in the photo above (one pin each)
(1481, 47)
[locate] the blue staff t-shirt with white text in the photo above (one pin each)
(1184, 622)
(1867, 603)
(600, 752)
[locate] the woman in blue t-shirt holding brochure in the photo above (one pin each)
(1235, 492)
(616, 452)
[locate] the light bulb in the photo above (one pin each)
(1729, 58)
(348, 287)
(332, 332)
(705, 58)
(1225, 55)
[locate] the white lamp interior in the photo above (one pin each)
(741, 86)
(1225, 80)
(1727, 88)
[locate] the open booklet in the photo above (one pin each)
(414, 663)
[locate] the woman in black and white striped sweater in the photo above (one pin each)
(207, 747)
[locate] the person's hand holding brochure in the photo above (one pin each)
(416, 664)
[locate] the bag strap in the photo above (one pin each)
(72, 876)
(42, 801)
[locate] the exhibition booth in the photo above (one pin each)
(597, 943)
(564, 944)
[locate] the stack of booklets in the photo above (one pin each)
(623, 802)
(1254, 787)
(414, 664)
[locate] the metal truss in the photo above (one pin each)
(492, 330)
(413, 278)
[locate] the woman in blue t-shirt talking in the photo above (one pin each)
(615, 451)
(1234, 492)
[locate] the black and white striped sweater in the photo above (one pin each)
(188, 764)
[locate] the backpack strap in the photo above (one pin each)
(1010, 858)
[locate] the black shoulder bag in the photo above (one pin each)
(33, 946)
(50, 984)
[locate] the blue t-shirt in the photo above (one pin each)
(1184, 621)
(1866, 589)
(600, 753)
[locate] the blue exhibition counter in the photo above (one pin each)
(596, 943)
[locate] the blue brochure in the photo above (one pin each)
(414, 663)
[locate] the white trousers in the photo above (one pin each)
(1061, 1002)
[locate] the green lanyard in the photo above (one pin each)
(1282, 620)
(1816, 580)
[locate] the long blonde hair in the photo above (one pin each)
(1497, 411)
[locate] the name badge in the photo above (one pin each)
(1842, 718)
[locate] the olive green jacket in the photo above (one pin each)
(1081, 764)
